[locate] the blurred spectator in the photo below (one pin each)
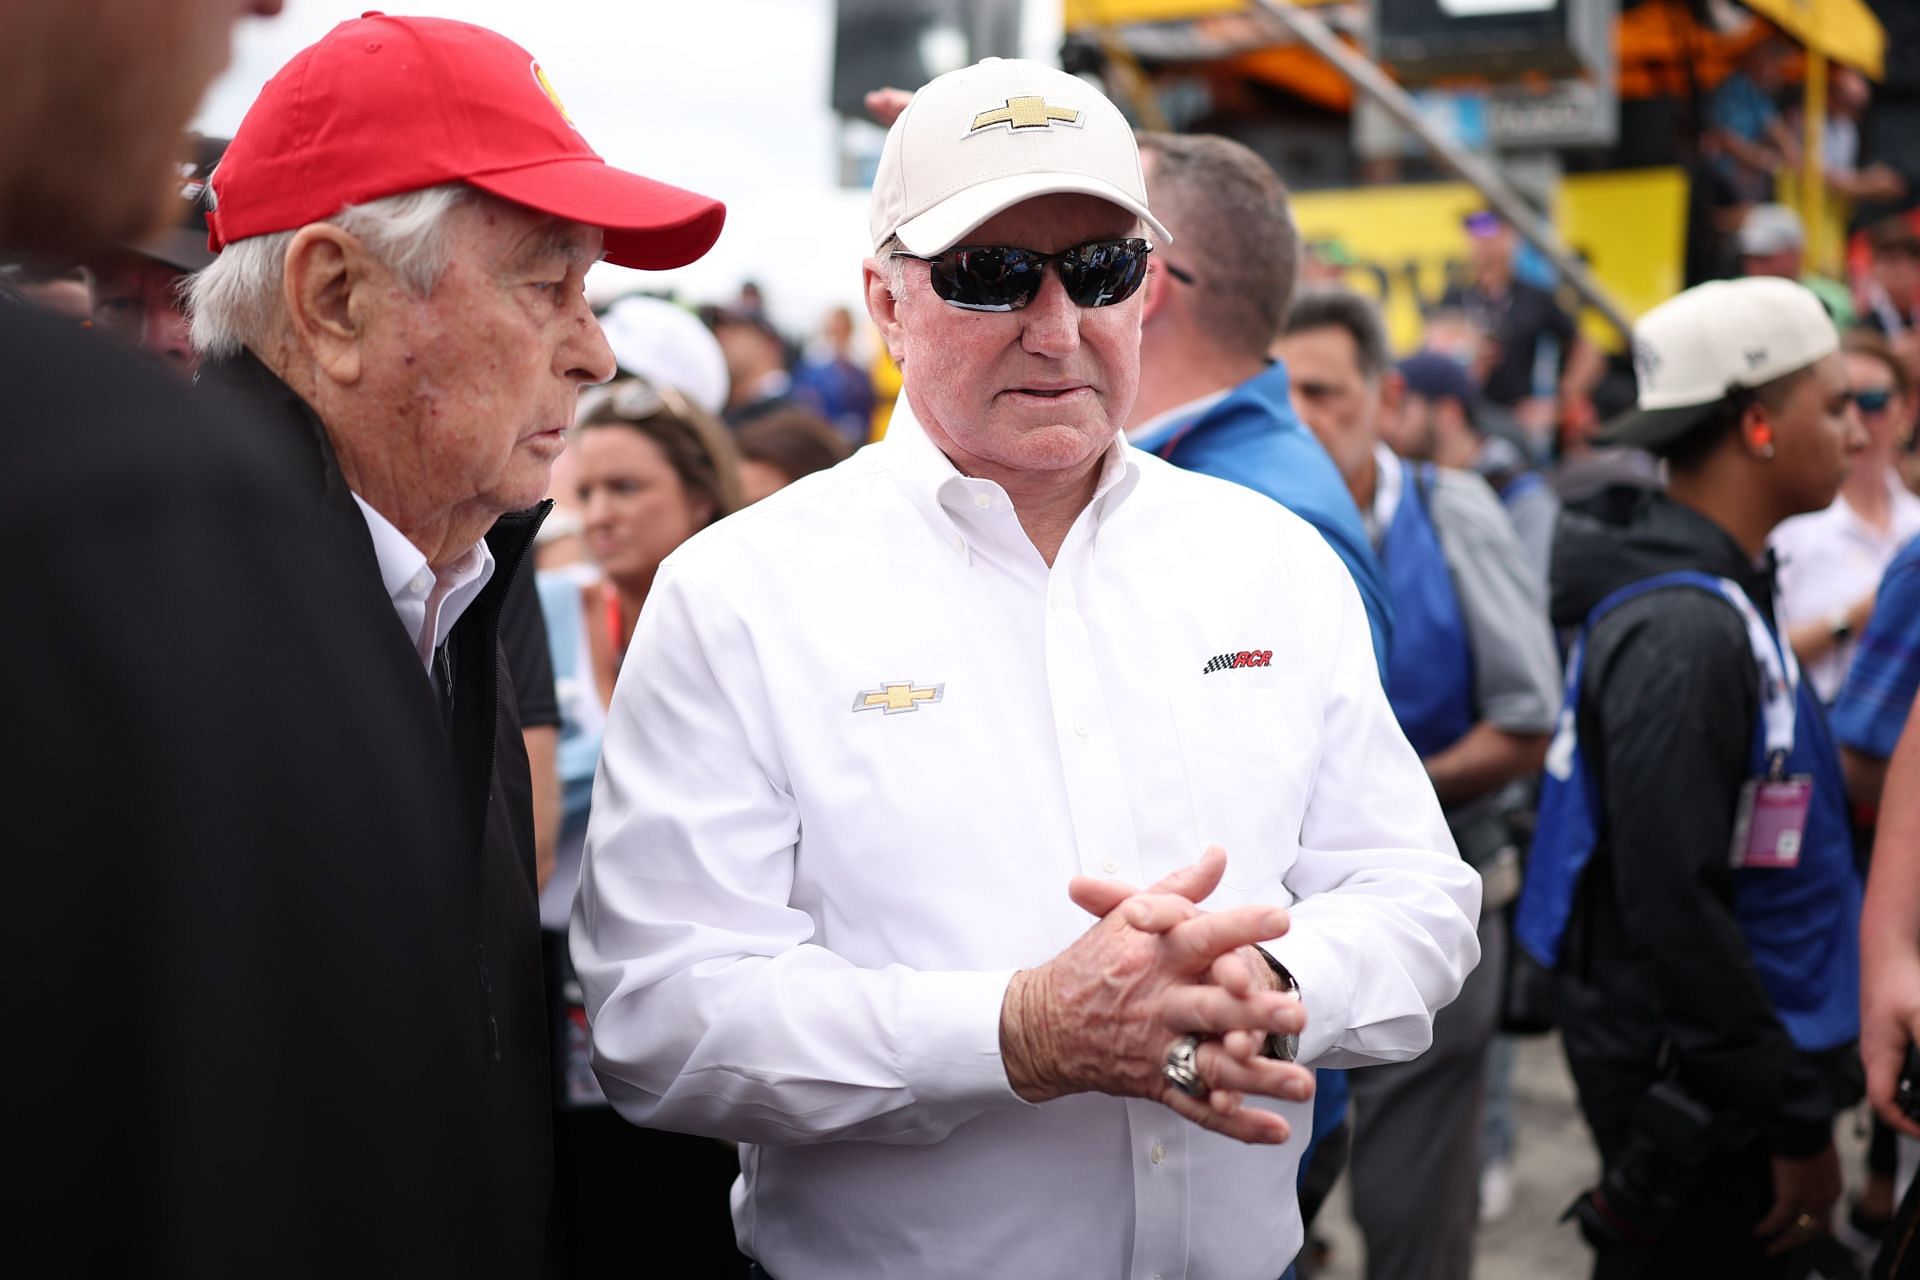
(1891, 299)
(1541, 354)
(652, 470)
(1772, 242)
(1451, 332)
(1212, 398)
(1474, 683)
(1324, 262)
(756, 364)
(831, 383)
(750, 299)
(1831, 560)
(1435, 423)
(58, 290)
(778, 448)
(669, 346)
(1848, 96)
(138, 289)
(1745, 129)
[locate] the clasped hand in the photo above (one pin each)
(1101, 1016)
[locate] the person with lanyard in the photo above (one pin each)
(1472, 677)
(894, 747)
(1692, 879)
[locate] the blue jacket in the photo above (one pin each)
(1254, 438)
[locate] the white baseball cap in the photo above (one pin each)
(1692, 350)
(984, 138)
(669, 347)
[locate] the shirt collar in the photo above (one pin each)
(410, 581)
(951, 500)
(1148, 433)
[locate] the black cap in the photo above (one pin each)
(183, 246)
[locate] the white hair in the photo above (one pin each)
(238, 301)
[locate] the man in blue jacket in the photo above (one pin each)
(1210, 398)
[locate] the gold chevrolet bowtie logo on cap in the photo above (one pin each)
(1029, 111)
(898, 696)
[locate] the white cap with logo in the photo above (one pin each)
(984, 138)
(1693, 349)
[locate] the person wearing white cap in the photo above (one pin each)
(885, 737)
(1773, 242)
(1692, 876)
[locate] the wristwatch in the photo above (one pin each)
(1284, 1048)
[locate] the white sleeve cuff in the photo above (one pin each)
(950, 1040)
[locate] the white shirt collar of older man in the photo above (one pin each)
(865, 736)
(428, 603)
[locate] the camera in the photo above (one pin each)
(1638, 1200)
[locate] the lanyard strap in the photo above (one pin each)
(1779, 676)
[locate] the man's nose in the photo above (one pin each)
(1050, 324)
(585, 357)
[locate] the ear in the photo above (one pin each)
(1155, 292)
(884, 310)
(325, 281)
(1756, 431)
(1393, 393)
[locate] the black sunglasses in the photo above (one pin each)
(1098, 273)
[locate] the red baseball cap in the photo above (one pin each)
(383, 105)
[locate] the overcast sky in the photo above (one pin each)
(726, 97)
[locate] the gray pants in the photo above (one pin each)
(1416, 1135)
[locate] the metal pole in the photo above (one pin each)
(1813, 178)
(1370, 80)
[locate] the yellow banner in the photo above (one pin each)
(1630, 227)
(1086, 13)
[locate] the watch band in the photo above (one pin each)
(1284, 1048)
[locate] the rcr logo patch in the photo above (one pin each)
(1236, 661)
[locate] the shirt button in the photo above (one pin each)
(1059, 600)
(1159, 1153)
(1080, 728)
(421, 581)
(1110, 866)
(982, 501)
(959, 543)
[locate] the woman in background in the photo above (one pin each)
(651, 470)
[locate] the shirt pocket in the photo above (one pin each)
(1250, 754)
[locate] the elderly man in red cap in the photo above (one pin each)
(405, 218)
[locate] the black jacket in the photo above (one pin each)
(273, 1003)
(1654, 961)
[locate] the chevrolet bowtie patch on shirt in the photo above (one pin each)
(1232, 661)
(1029, 111)
(900, 695)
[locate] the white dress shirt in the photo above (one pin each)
(800, 906)
(1829, 560)
(428, 603)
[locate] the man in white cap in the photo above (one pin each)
(1692, 875)
(878, 728)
